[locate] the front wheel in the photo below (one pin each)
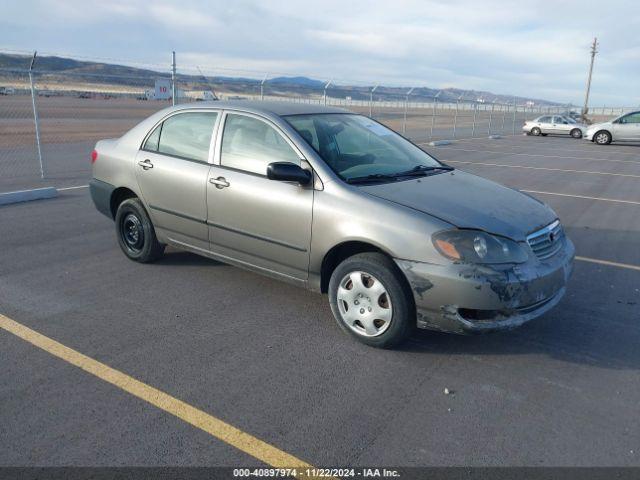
(371, 300)
(136, 235)
(535, 131)
(576, 133)
(602, 138)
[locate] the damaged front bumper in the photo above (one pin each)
(470, 298)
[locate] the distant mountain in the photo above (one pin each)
(60, 69)
(302, 81)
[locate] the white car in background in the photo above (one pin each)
(555, 125)
(625, 128)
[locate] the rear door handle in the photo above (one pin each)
(219, 182)
(145, 164)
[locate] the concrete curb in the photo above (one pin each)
(437, 143)
(27, 195)
(495, 137)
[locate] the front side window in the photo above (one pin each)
(185, 135)
(544, 120)
(250, 144)
(631, 118)
(356, 147)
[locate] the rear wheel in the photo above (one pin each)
(576, 133)
(371, 300)
(535, 131)
(136, 235)
(602, 138)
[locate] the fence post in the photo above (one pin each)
(491, 117)
(504, 114)
(324, 94)
(371, 101)
(173, 78)
(475, 112)
(433, 115)
(35, 113)
(455, 118)
(262, 86)
(515, 109)
(406, 104)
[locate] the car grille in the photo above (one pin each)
(547, 241)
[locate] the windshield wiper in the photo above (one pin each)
(372, 178)
(420, 170)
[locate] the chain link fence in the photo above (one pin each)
(76, 109)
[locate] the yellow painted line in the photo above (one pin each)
(608, 263)
(615, 200)
(544, 168)
(213, 426)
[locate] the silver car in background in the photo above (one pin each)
(337, 203)
(625, 128)
(554, 125)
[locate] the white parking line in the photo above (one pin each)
(583, 196)
(72, 188)
(538, 155)
(544, 168)
(608, 263)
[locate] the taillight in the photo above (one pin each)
(94, 156)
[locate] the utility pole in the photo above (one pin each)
(173, 78)
(594, 50)
(35, 112)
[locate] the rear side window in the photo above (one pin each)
(152, 142)
(185, 135)
(250, 144)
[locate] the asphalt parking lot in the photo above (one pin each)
(268, 358)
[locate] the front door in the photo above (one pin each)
(627, 127)
(253, 220)
(172, 170)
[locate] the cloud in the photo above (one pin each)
(532, 49)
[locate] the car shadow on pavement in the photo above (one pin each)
(181, 258)
(554, 335)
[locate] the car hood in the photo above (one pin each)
(595, 126)
(468, 201)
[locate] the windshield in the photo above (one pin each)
(358, 148)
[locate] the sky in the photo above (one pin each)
(535, 49)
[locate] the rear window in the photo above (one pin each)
(185, 135)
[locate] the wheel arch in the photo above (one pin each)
(340, 252)
(602, 130)
(118, 196)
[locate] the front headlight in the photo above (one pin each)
(475, 246)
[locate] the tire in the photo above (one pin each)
(379, 309)
(576, 133)
(602, 137)
(536, 132)
(135, 232)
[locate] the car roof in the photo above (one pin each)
(278, 108)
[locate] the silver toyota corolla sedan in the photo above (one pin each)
(625, 128)
(337, 203)
(555, 125)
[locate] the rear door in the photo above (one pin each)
(545, 124)
(172, 170)
(561, 126)
(627, 127)
(253, 220)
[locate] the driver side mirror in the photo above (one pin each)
(288, 172)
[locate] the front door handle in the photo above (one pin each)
(145, 164)
(219, 182)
